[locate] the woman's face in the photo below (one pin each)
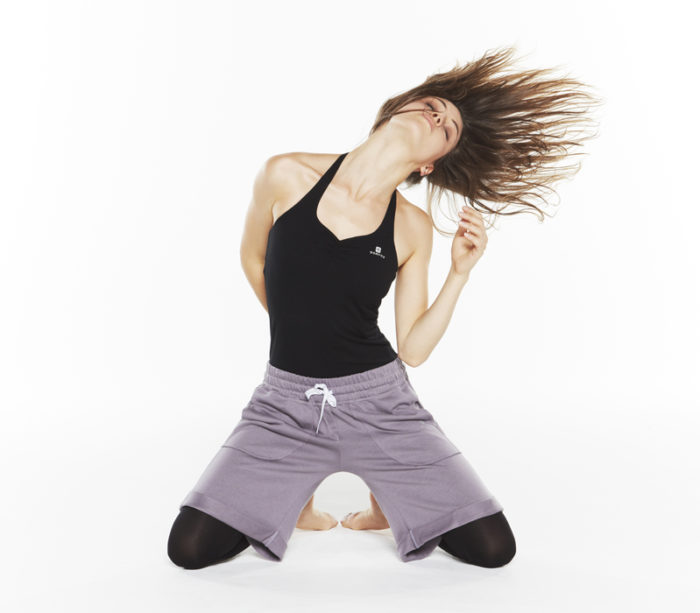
(433, 124)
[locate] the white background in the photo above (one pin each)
(130, 135)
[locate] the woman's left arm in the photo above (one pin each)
(418, 330)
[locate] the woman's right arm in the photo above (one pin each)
(268, 188)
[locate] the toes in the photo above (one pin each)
(348, 516)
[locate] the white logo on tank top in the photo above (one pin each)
(378, 251)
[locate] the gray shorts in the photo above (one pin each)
(298, 430)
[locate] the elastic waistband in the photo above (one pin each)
(348, 387)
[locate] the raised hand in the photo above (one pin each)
(469, 242)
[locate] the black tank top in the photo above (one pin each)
(323, 293)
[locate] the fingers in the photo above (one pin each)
(472, 227)
(472, 216)
(471, 222)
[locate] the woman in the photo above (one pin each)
(325, 237)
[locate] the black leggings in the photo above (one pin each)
(198, 540)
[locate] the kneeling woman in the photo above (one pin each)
(325, 237)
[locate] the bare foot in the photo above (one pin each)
(369, 519)
(312, 519)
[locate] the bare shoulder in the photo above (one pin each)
(414, 229)
(298, 166)
(293, 173)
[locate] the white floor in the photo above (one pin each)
(96, 532)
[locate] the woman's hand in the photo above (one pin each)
(468, 248)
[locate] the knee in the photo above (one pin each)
(490, 552)
(497, 557)
(487, 542)
(197, 540)
(184, 551)
(186, 547)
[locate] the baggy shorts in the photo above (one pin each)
(296, 430)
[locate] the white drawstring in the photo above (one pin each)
(321, 388)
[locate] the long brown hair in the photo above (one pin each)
(516, 128)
